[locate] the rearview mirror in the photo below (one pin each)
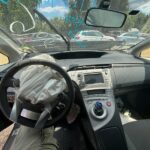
(98, 17)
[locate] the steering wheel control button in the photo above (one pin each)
(108, 104)
(98, 110)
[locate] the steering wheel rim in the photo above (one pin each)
(4, 105)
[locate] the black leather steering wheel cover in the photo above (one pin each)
(4, 105)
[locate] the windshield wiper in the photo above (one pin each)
(52, 27)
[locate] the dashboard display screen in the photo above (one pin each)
(93, 78)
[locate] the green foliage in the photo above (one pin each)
(146, 27)
(120, 5)
(13, 11)
(135, 22)
(59, 23)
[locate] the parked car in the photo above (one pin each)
(92, 35)
(40, 39)
(29, 37)
(145, 35)
(130, 38)
(114, 33)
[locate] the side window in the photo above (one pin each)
(84, 33)
(3, 59)
(131, 35)
(91, 33)
(127, 34)
(145, 54)
(134, 35)
(99, 34)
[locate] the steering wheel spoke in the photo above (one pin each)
(12, 82)
(35, 116)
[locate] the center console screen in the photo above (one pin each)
(93, 78)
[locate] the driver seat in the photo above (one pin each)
(138, 135)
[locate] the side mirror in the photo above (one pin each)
(98, 17)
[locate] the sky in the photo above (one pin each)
(56, 8)
(145, 8)
(53, 8)
(142, 5)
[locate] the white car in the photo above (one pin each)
(92, 35)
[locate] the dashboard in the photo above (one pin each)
(97, 91)
(100, 77)
(127, 72)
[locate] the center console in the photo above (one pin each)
(96, 86)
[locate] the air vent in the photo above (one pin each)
(87, 67)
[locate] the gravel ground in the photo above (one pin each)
(4, 135)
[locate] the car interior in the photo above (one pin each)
(111, 87)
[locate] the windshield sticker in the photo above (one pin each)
(76, 23)
(4, 1)
(17, 22)
(73, 19)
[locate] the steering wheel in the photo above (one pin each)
(45, 118)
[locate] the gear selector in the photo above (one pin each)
(98, 109)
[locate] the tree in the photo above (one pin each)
(146, 26)
(59, 23)
(137, 21)
(13, 11)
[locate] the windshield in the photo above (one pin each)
(18, 19)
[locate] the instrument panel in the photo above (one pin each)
(92, 81)
(96, 87)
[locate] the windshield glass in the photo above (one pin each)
(18, 19)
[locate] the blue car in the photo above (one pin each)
(130, 38)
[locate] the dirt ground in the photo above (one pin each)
(4, 135)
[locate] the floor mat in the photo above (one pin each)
(126, 118)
